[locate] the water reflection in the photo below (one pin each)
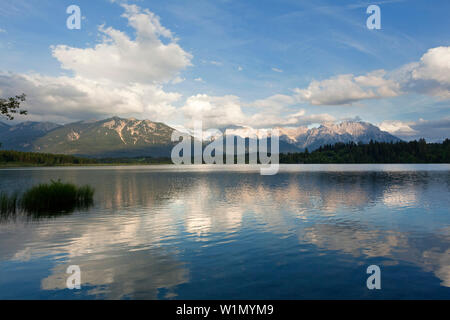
(128, 274)
(397, 247)
(151, 231)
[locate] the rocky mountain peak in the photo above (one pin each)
(346, 131)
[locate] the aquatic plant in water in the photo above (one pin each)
(8, 203)
(56, 197)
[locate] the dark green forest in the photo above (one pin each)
(18, 158)
(41, 159)
(374, 152)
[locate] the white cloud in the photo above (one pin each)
(398, 128)
(277, 70)
(80, 98)
(346, 89)
(119, 76)
(223, 111)
(2, 30)
(431, 76)
(198, 79)
(432, 130)
(276, 101)
(215, 112)
(434, 65)
(118, 58)
(240, 68)
(300, 118)
(378, 80)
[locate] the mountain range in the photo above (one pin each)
(347, 131)
(118, 137)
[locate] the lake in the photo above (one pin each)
(226, 232)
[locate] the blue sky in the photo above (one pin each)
(255, 63)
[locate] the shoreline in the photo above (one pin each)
(27, 165)
(283, 168)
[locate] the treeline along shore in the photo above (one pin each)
(18, 158)
(373, 152)
(11, 158)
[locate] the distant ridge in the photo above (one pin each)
(119, 137)
(22, 136)
(327, 134)
(347, 131)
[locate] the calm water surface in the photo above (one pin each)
(166, 232)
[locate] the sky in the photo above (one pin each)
(262, 64)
